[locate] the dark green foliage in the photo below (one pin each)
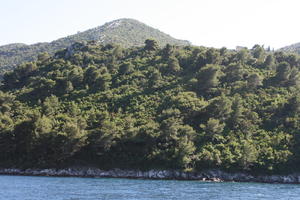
(208, 77)
(253, 81)
(283, 72)
(151, 45)
(186, 108)
(269, 62)
(173, 65)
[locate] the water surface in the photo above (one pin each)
(65, 188)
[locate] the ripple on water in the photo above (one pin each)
(60, 188)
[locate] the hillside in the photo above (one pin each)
(187, 108)
(291, 48)
(125, 32)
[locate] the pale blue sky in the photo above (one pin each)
(214, 23)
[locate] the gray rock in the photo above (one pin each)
(208, 175)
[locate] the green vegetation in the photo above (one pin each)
(187, 108)
(125, 32)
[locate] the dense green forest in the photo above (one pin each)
(124, 32)
(187, 108)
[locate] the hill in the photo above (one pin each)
(125, 32)
(187, 108)
(291, 48)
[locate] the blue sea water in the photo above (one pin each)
(62, 188)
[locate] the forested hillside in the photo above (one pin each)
(292, 48)
(124, 32)
(187, 108)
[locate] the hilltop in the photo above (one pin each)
(124, 32)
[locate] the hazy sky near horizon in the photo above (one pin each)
(213, 23)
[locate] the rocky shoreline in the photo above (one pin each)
(208, 175)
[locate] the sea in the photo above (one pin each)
(74, 188)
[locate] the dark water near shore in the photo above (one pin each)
(58, 188)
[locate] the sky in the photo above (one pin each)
(212, 23)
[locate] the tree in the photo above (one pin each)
(186, 148)
(91, 74)
(234, 72)
(68, 87)
(117, 52)
(253, 81)
(242, 55)
(6, 123)
(155, 79)
(76, 76)
(269, 62)
(43, 125)
(24, 139)
(248, 155)
(283, 72)
(294, 79)
(188, 103)
(287, 76)
(173, 65)
(292, 59)
(213, 56)
(44, 87)
(220, 108)
(208, 77)
(151, 45)
(50, 106)
(237, 113)
(6, 101)
(258, 52)
(293, 106)
(43, 56)
(167, 51)
(126, 68)
(75, 137)
(103, 81)
(213, 128)
(176, 147)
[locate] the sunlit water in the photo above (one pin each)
(57, 188)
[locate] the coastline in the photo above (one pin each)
(207, 175)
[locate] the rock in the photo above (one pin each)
(168, 174)
(208, 175)
(131, 174)
(176, 175)
(139, 174)
(152, 174)
(297, 178)
(184, 175)
(289, 179)
(216, 180)
(160, 175)
(104, 174)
